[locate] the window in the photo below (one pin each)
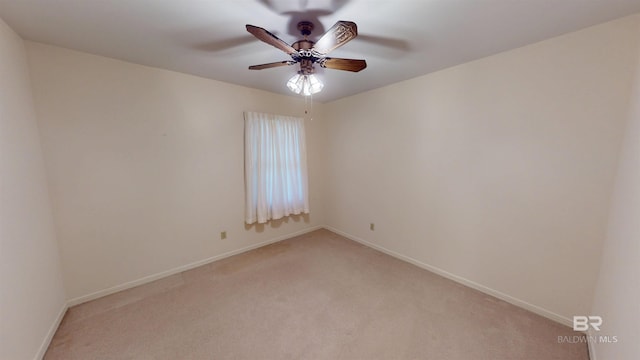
(275, 163)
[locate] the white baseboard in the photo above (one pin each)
(474, 285)
(52, 331)
(179, 269)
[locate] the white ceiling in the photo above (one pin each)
(400, 39)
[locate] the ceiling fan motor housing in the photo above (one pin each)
(303, 45)
(305, 52)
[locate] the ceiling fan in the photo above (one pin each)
(307, 53)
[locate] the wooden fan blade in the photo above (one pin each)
(339, 34)
(343, 64)
(271, 65)
(270, 39)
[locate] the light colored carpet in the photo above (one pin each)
(316, 296)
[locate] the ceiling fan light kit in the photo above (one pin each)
(307, 53)
(305, 84)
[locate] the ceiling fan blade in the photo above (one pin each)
(270, 39)
(271, 65)
(339, 34)
(343, 64)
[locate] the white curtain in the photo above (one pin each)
(275, 162)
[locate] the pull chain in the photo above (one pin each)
(308, 106)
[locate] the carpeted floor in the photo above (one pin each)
(316, 296)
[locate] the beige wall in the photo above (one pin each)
(498, 172)
(31, 290)
(146, 166)
(617, 298)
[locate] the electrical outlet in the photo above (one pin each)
(372, 227)
(223, 235)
